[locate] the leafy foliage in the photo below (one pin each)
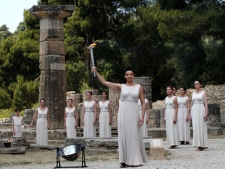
(22, 90)
(4, 32)
(172, 41)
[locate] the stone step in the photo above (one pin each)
(13, 150)
(60, 134)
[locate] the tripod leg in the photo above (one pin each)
(83, 159)
(57, 159)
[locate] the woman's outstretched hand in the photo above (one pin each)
(93, 69)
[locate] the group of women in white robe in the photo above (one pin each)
(179, 112)
(91, 111)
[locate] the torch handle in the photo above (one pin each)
(92, 59)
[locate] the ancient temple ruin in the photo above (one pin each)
(52, 58)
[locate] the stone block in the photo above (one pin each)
(20, 142)
(154, 118)
(157, 132)
(51, 23)
(58, 66)
(157, 149)
(46, 61)
(162, 123)
(215, 131)
(52, 48)
(71, 141)
(28, 116)
(13, 150)
(52, 11)
(51, 35)
(2, 141)
(214, 119)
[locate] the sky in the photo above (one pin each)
(11, 12)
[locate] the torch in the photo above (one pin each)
(91, 47)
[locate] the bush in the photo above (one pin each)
(5, 113)
(25, 93)
(5, 100)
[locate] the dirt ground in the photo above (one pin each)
(41, 156)
(45, 157)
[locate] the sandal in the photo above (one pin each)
(182, 142)
(130, 165)
(123, 165)
(199, 149)
(174, 146)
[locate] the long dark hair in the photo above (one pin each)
(199, 81)
(106, 94)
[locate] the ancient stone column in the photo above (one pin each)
(52, 59)
(146, 83)
(114, 97)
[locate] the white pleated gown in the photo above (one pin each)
(200, 137)
(171, 128)
(70, 123)
(17, 126)
(104, 127)
(89, 128)
(144, 127)
(130, 140)
(182, 123)
(42, 127)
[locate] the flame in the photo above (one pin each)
(9, 141)
(93, 44)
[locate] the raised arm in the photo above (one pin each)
(114, 86)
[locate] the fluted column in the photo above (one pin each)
(52, 59)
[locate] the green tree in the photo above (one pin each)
(4, 32)
(25, 93)
(5, 99)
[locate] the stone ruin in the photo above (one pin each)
(215, 120)
(52, 58)
(53, 84)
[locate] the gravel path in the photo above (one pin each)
(183, 157)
